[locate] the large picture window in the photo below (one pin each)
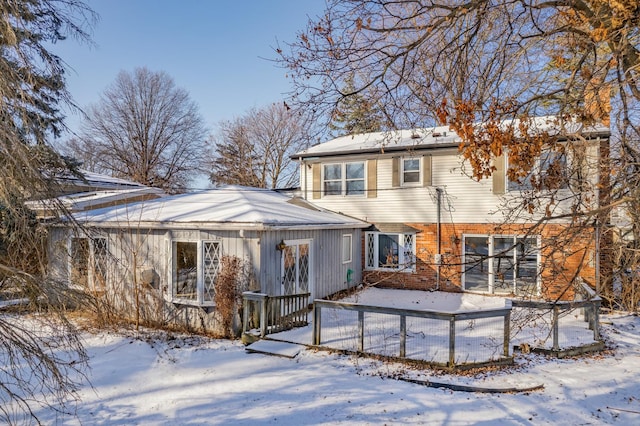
(390, 251)
(504, 264)
(195, 269)
(344, 179)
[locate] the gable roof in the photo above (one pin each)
(427, 138)
(231, 207)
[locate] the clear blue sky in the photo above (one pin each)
(213, 49)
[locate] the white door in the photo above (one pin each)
(296, 277)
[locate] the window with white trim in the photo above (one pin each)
(347, 248)
(549, 171)
(390, 251)
(195, 268)
(345, 179)
(410, 171)
(88, 262)
(506, 264)
(79, 261)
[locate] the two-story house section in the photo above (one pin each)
(434, 227)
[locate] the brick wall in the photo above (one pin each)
(564, 257)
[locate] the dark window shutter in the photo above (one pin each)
(372, 178)
(395, 172)
(499, 175)
(426, 170)
(317, 181)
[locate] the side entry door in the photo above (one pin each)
(295, 267)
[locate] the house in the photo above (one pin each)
(163, 257)
(437, 228)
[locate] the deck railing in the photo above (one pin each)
(564, 326)
(272, 314)
(439, 338)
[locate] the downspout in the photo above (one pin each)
(305, 177)
(597, 257)
(438, 257)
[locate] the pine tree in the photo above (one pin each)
(32, 89)
(354, 113)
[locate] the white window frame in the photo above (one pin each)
(344, 180)
(310, 260)
(491, 273)
(403, 171)
(199, 300)
(406, 258)
(347, 248)
(537, 170)
(91, 262)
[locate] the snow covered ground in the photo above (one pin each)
(159, 379)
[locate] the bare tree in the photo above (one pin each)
(146, 129)
(42, 356)
(85, 154)
(255, 149)
(463, 62)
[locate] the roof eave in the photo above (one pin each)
(223, 226)
(386, 150)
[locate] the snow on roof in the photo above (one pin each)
(82, 200)
(232, 207)
(432, 137)
(98, 180)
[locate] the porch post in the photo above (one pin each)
(403, 336)
(316, 324)
(556, 310)
(452, 340)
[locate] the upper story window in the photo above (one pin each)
(549, 172)
(343, 178)
(410, 173)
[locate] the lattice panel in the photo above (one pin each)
(100, 258)
(371, 253)
(303, 268)
(211, 268)
(289, 273)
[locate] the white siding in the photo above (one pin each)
(464, 200)
(137, 250)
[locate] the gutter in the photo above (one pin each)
(216, 226)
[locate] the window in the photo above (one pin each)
(347, 248)
(79, 263)
(390, 251)
(501, 264)
(295, 264)
(88, 262)
(343, 179)
(410, 171)
(332, 179)
(100, 257)
(549, 172)
(211, 267)
(196, 266)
